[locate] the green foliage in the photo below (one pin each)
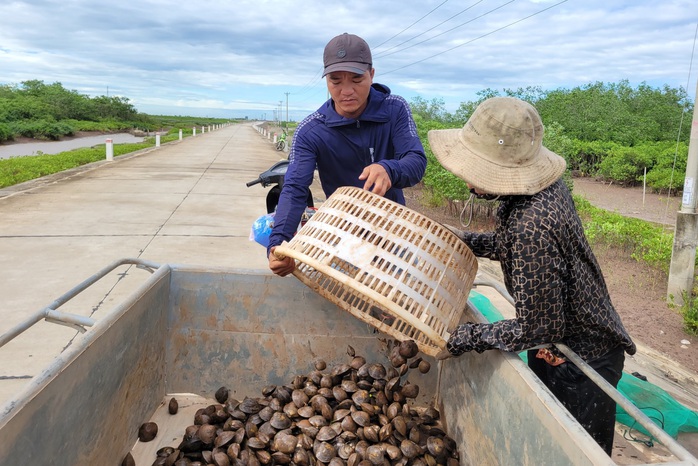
(669, 164)
(625, 164)
(434, 110)
(38, 110)
(689, 311)
(443, 185)
(646, 241)
(617, 112)
(42, 129)
(20, 169)
(5, 132)
(185, 122)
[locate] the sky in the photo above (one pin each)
(262, 59)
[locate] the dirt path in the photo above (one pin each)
(630, 202)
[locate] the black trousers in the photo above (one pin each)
(594, 410)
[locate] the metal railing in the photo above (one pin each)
(657, 432)
(51, 313)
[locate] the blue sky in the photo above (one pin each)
(251, 58)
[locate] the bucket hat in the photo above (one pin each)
(347, 52)
(500, 149)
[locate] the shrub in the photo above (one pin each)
(625, 164)
(689, 312)
(647, 242)
(5, 132)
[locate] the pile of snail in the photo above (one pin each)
(355, 414)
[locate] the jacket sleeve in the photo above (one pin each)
(537, 287)
(292, 201)
(410, 162)
(482, 244)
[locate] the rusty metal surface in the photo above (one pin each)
(248, 330)
(501, 414)
(190, 330)
(87, 407)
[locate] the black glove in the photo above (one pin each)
(459, 233)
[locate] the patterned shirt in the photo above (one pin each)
(551, 272)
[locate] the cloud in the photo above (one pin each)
(223, 56)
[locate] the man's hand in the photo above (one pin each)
(443, 354)
(377, 179)
(281, 266)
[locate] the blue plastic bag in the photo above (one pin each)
(261, 229)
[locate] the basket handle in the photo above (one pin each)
(279, 251)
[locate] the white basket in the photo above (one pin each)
(393, 268)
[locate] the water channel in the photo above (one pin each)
(54, 147)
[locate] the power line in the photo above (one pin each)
(455, 27)
(479, 37)
(310, 85)
(386, 41)
(382, 54)
(683, 112)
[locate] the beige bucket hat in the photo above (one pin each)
(500, 149)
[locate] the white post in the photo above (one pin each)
(194, 131)
(157, 139)
(180, 134)
(203, 129)
(274, 138)
(110, 149)
(644, 186)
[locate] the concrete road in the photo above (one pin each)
(182, 203)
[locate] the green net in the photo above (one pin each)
(656, 403)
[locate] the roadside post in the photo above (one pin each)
(180, 134)
(683, 253)
(157, 139)
(110, 149)
(193, 133)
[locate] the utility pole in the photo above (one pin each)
(286, 111)
(683, 254)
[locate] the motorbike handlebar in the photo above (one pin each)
(252, 183)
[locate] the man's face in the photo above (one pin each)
(349, 91)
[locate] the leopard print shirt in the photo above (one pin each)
(551, 272)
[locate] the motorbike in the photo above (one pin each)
(274, 177)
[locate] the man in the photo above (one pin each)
(549, 269)
(363, 136)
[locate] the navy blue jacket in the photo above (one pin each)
(341, 148)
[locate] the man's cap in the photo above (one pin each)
(347, 52)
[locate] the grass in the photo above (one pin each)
(646, 241)
(17, 170)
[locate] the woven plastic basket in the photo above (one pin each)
(393, 268)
